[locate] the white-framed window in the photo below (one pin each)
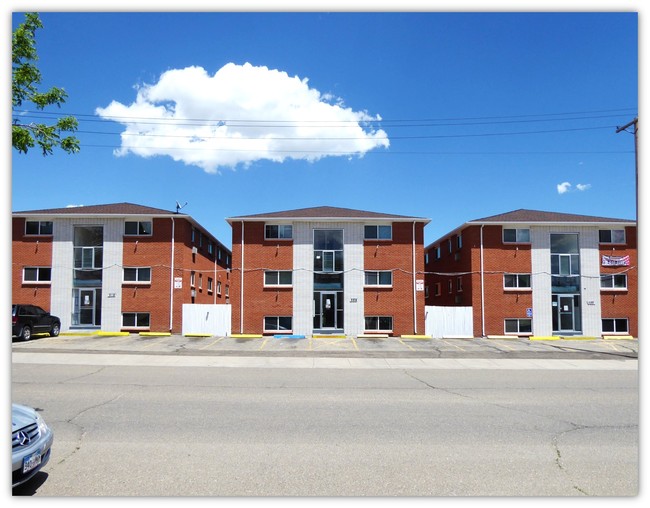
(210, 286)
(200, 281)
(137, 274)
(219, 287)
(37, 274)
(192, 279)
(611, 236)
(516, 281)
(278, 324)
(38, 228)
(459, 241)
(518, 326)
(227, 291)
(377, 232)
(138, 228)
(278, 277)
(139, 320)
(378, 323)
(616, 281)
(615, 325)
(278, 232)
(379, 278)
(459, 284)
(516, 235)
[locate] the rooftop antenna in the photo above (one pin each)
(179, 206)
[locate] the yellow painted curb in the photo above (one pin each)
(545, 338)
(325, 336)
(155, 334)
(198, 335)
(618, 337)
(246, 336)
(113, 334)
(579, 337)
(424, 337)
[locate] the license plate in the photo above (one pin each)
(31, 461)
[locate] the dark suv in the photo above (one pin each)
(27, 320)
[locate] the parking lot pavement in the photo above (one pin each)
(351, 347)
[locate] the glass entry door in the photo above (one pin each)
(566, 315)
(328, 310)
(86, 307)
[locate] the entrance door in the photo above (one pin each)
(566, 313)
(328, 310)
(86, 309)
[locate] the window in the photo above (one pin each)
(378, 232)
(459, 241)
(35, 227)
(277, 323)
(137, 228)
(519, 326)
(459, 284)
(437, 289)
(210, 285)
(449, 243)
(280, 232)
(618, 281)
(200, 281)
(137, 274)
(615, 325)
(516, 235)
(450, 286)
(211, 249)
(135, 320)
(426, 258)
(278, 278)
(384, 278)
(219, 287)
(379, 323)
(516, 280)
(611, 236)
(438, 253)
(565, 263)
(37, 274)
(192, 279)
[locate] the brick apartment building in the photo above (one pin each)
(538, 273)
(117, 266)
(327, 270)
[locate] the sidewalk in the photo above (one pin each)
(333, 347)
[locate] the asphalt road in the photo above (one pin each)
(177, 430)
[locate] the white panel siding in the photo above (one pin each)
(541, 280)
(63, 263)
(590, 278)
(441, 322)
(303, 279)
(303, 275)
(113, 275)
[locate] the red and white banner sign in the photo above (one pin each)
(616, 260)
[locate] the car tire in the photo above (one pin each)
(56, 329)
(26, 333)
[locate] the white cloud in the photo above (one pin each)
(565, 187)
(239, 115)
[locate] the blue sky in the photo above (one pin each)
(449, 116)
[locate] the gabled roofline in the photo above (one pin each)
(493, 221)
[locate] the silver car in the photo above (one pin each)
(31, 443)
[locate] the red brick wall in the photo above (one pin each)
(398, 256)
(258, 255)
(29, 251)
(155, 251)
(622, 304)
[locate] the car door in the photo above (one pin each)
(40, 320)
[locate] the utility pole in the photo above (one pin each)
(634, 123)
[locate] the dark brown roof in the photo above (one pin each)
(110, 209)
(524, 216)
(326, 212)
